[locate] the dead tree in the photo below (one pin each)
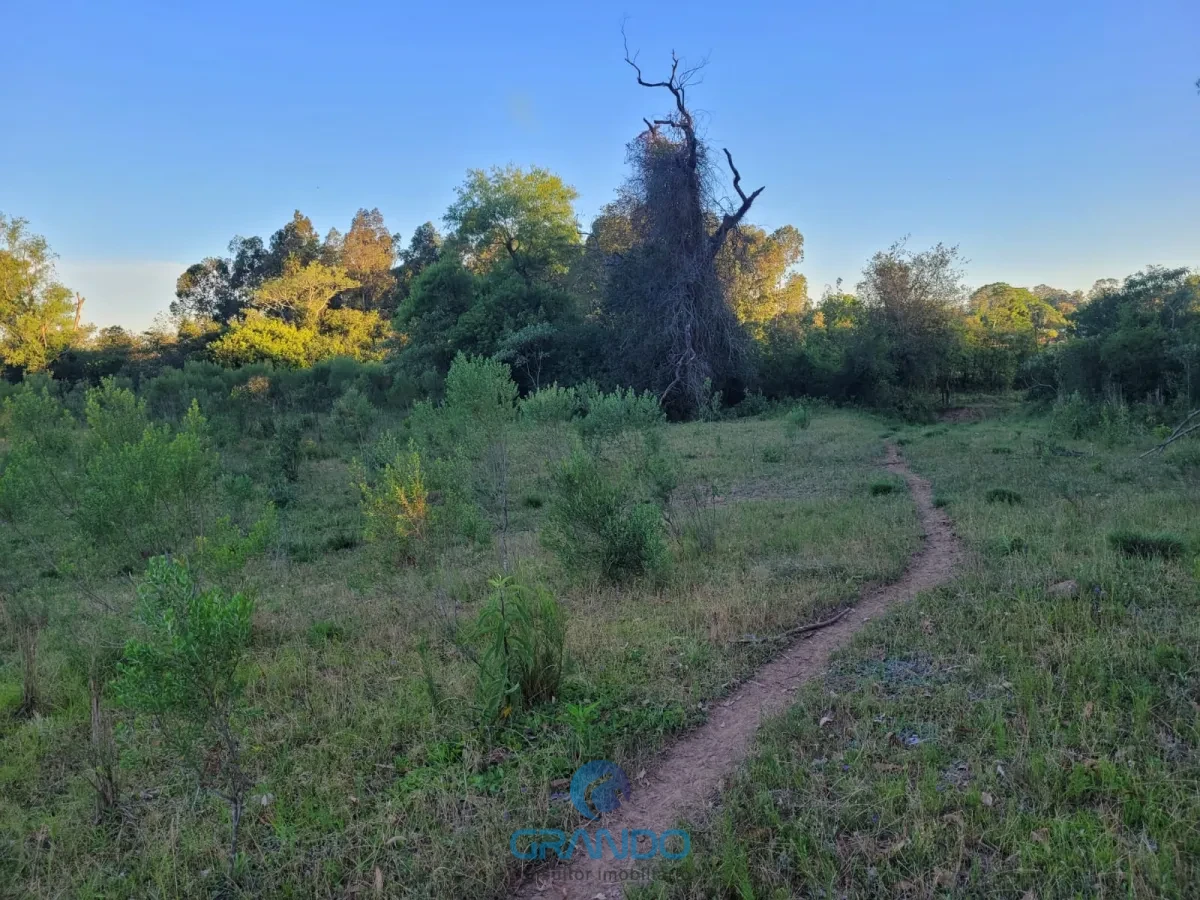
(679, 333)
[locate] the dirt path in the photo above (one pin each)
(687, 776)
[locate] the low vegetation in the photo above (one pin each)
(378, 693)
(1028, 730)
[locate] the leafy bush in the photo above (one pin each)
(1077, 417)
(1003, 495)
(551, 405)
(772, 453)
(353, 416)
(593, 523)
(1146, 544)
(396, 506)
(798, 419)
(523, 630)
(608, 415)
(286, 450)
(149, 495)
(226, 549)
(182, 672)
(753, 404)
(883, 487)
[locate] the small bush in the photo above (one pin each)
(772, 454)
(753, 404)
(1013, 545)
(1147, 545)
(396, 506)
(882, 487)
(798, 419)
(550, 405)
(595, 524)
(623, 410)
(325, 632)
(286, 452)
(1003, 495)
(183, 672)
(353, 416)
(1002, 451)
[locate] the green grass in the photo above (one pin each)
(367, 752)
(1139, 543)
(991, 739)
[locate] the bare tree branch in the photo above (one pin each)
(1180, 432)
(731, 220)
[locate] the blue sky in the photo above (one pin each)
(1055, 142)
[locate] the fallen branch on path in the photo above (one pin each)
(792, 632)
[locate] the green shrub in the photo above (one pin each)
(353, 415)
(286, 450)
(225, 549)
(550, 405)
(753, 404)
(182, 672)
(523, 632)
(1147, 545)
(396, 504)
(772, 453)
(798, 419)
(609, 415)
(593, 523)
(1003, 495)
(325, 632)
(882, 487)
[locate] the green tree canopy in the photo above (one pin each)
(302, 293)
(523, 219)
(368, 254)
(757, 270)
(38, 317)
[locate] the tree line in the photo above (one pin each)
(671, 290)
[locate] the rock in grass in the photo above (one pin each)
(1069, 588)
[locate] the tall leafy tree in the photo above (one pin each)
(205, 291)
(516, 218)
(38, 317)
(302, 293)
(758, 270)
(297, 240)
(915, 298)
(368, 254)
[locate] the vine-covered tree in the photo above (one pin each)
(677, 331)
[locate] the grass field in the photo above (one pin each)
(370, 763)
(1010, 734)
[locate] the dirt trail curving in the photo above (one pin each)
(686, 777)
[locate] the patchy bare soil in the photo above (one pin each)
(687, 777)
(961, 414)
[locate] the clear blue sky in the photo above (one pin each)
(1053, 141)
